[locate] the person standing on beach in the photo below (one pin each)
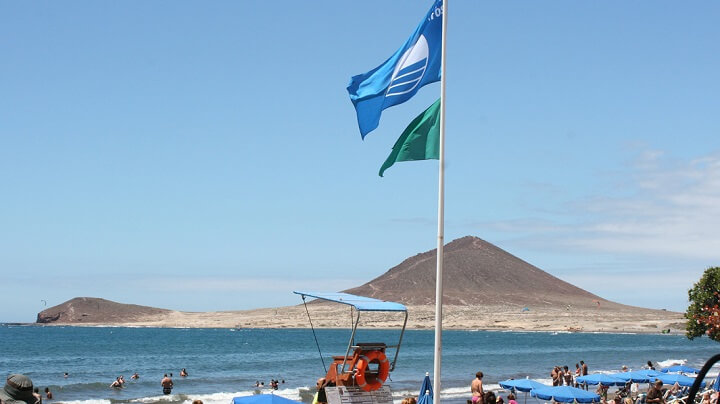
(567, 376)
(320, 397)
(554, 376)
(476, 388)
(578, 373)
(167, 384)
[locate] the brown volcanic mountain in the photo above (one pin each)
(485, 288)
(96, 311)
(476, 272)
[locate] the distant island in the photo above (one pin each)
(485, 287)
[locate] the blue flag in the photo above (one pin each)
(395, 81)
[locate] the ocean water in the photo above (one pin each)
(224, 363)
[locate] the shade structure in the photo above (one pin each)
(426, 391)
(361, 303)
(681, 369)
(638, 376)
(565, 394)
(716, 384)
(601, 378)
(521, 384)
(264, 399)
(672, 378)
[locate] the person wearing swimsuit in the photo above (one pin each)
(167, 384)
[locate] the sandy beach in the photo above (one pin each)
(633, 320)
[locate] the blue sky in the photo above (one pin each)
(205, 155)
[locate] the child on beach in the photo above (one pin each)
(511, 399)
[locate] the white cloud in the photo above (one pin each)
(667, 208)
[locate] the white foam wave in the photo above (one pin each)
(670, 362)
(85, 402)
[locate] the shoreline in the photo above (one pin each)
(178, 327)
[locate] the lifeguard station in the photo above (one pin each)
(359, 374)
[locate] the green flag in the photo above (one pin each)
(419, 141)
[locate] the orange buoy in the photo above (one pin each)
(375, 382)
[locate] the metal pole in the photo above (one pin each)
(441, 219)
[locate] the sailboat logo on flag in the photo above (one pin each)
(410, 69)
(415, 64)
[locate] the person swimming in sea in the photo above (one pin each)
(116, 384)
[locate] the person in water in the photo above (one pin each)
(116, 384)
(48, 393)
(167, 384)
(135, 376)
(183, 373)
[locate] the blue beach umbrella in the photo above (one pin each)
(638, 376)
(264, 399)
(565, 394)
(716, 384)
(682, 380)
(681, 369)
(426, 391)
(601, 378)
(522, 385)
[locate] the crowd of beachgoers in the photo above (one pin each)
(668, 386)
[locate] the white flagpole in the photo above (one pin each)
(441, 219)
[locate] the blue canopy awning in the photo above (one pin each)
(638, 376)
(521, 384)
(681, 369)
(601, 378)
(565, 394)
(263, 399)
(360, 303)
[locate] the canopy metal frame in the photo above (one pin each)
(370, 305)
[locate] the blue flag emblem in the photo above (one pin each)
(395, 81)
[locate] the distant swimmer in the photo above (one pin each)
(116, 384)
(135, 376)
(167, 384)
(183, 373)
(66, 375)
